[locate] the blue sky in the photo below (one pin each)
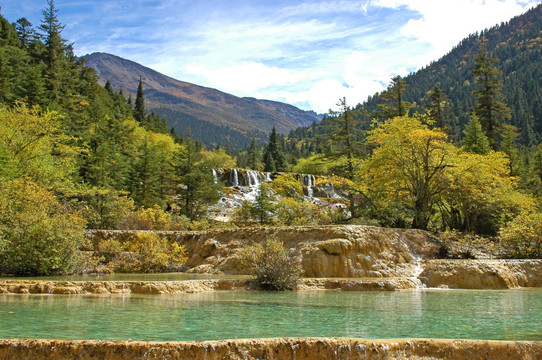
(306, 53)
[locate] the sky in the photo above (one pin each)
(306, 53)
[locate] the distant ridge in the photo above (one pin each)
(213, 116)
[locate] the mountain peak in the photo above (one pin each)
(202, 109)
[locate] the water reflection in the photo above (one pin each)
(500, 315)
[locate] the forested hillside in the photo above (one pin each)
(516, 45)
(76, 155)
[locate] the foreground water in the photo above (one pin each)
(497, 315)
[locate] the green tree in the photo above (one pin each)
(475, 140)
(393, 97)
(38, 236)
(139, 109)
(509, 147)
(273, 156)
(263, 205)
(437, 108)
(491, 111)
(341, 138)
(51, 30)
(253, 155)
(198, 190)
(25, 31)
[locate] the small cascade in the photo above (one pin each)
(417, 272)
(308, 181)
(215, 176)
(234, 177)
(267, 177)
(252, 178)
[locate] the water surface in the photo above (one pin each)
(472, 314)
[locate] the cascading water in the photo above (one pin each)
(234, 177)
(252, 178)
(308, 181)
(243, 185)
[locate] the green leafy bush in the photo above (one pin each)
(271, 266)
(522, 236)
(38, 235)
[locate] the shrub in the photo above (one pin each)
(292, 212)
(287, 185)
(38, 235)
(147, 252)
(271, 266)
(522, 236)
(153, 218)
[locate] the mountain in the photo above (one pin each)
(212, 116)
(517, 44)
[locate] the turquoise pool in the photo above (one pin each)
(497, 315)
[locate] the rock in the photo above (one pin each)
(335, 246)
(279, 348)
(323, 251)
(482, 274)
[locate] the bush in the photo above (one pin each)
(38, 235)
(147, 219)
(271, 266)
(292, 212)
(146, 253)
(522, 236)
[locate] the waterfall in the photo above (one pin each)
(215, 176)
(252, 178)
(308, 181)
(234, 177)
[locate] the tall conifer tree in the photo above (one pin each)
(491, 111)
(273, 156)
(139, 109)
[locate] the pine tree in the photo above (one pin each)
(139, 109)
(253, 155)
(393, 97)
(55, 55)
(25, 32)
(508, 147)
(273, 156)
(436, 107)
(341, 137)
(475, 140)
(491, 111)
(198, 190)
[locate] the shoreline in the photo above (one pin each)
(272, 348)
(194, 286)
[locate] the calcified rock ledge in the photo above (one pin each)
(482, 274)
(190, 286)
(282, 348)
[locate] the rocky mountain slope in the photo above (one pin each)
(206, 111)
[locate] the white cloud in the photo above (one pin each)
(244, 78)
(443, 24)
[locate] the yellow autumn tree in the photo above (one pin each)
(416, 178)
(406, 174)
